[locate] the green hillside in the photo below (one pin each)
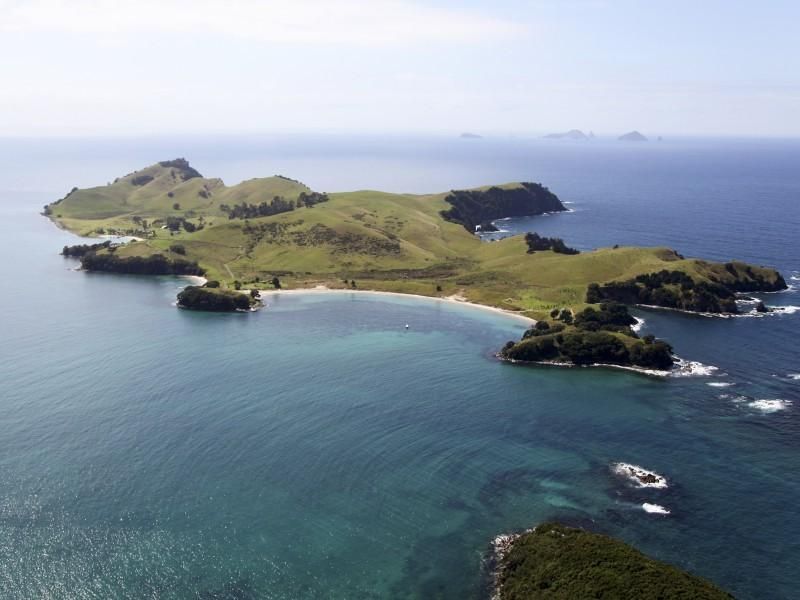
(392, 242)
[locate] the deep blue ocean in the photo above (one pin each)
(316, 449)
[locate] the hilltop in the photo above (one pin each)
(423, 244)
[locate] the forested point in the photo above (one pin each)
(215, 299)
(80, 250)
(675, 289)
(593, 336)
(563, 563)
(155, 264)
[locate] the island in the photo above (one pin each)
(632, 136)
(558, 562)
(591, 337)
(214, 299)
(470, 136)
(572, 134)
(276, 228)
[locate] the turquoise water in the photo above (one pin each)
(317, 449)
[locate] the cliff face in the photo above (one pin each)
(473, 207)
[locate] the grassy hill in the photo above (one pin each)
(392, 242)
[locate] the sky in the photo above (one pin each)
(500, 67)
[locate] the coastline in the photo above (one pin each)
(569, 365)
(453, 299)
(499, 547)
(681, 368)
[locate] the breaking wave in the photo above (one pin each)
(693, 368)
(770, 406)
(656, 509)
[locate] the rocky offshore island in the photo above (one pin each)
(212, 298)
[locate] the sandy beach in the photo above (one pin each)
(454, 299)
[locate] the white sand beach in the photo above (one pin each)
(454, 299)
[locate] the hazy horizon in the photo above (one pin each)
(100, 68)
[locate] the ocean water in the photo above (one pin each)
(317, 449)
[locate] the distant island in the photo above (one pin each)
(633, 136)
(470, 136)
(257, 232)
(572, 134)
(563, 563)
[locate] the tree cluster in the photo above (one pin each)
(155, 264)
(176, 223)
(309, 199)
(537, 242)
(611, 316)
(590, 347)
(180, 166)
(669, 289)
(80, 250)
(592, 338)
(213, 299)
(276, 206)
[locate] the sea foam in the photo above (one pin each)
(693, 368)
(637, 327)
(720, 384)
(639, 476)
(770, 406)
(656, 509)
(784, 310)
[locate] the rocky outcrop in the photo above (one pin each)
(471, 208)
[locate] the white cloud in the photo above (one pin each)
(291, 21)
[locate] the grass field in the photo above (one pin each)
(388, 242)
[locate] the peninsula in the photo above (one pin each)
(247, 235)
